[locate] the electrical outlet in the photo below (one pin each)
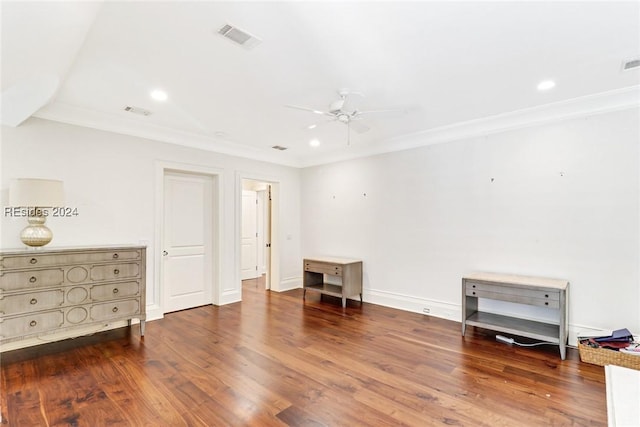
(426, 310)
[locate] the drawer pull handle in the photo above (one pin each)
(115, 256)
(33, 301)
(33, 323)
(114, 309)
(33, 261)
(474, 292)
(546, 295)
(115, 290)
(32, 279)
(546, 303)
(116, 271)
(473, 286)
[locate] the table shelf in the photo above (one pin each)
(513, 325)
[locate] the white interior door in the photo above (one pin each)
(267, 237)
(249, 243)
(262, 243)
(187, 240)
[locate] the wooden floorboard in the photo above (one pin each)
(276, 360)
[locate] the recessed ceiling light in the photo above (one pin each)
(159, 95)
(314, 142)
(546, 84)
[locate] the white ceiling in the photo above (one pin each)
(455, 67)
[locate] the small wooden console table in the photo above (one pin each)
(537, 291)
(348, 270)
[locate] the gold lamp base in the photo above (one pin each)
(36, 233)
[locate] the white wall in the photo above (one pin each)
(557, 200)
(111, 179)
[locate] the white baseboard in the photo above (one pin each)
(289, 284)
(154, 312)
(413, 304)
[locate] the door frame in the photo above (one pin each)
(273, 268)
(155, 304)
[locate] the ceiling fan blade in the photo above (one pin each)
(397, 110)
(324, 113)
(358, 127)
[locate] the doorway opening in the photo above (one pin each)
(256, 234)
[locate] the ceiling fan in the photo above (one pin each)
(339, 111)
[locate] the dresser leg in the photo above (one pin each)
(304, 294)
(344, 302)
(360, 297)
(563, 351)
(142, 328)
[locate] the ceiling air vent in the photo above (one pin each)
(630, 63)
(279, 147)
(239, 36)
(137, 110)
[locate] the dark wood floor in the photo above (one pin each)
(276, 360)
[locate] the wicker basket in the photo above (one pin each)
(604, 356)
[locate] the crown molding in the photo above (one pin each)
(69, 114)
(615, 100)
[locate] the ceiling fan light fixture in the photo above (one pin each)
(348, 116)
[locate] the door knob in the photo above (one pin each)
(165, 253)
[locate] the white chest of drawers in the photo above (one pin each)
(49, 291)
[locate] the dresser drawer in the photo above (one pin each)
(550, 294)
(114, 271)
(17, 280)
(45, 260)
(114, 291)
(320, 267)
(31, 323)
(541, 299)
(32, 301)
(115, 309)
